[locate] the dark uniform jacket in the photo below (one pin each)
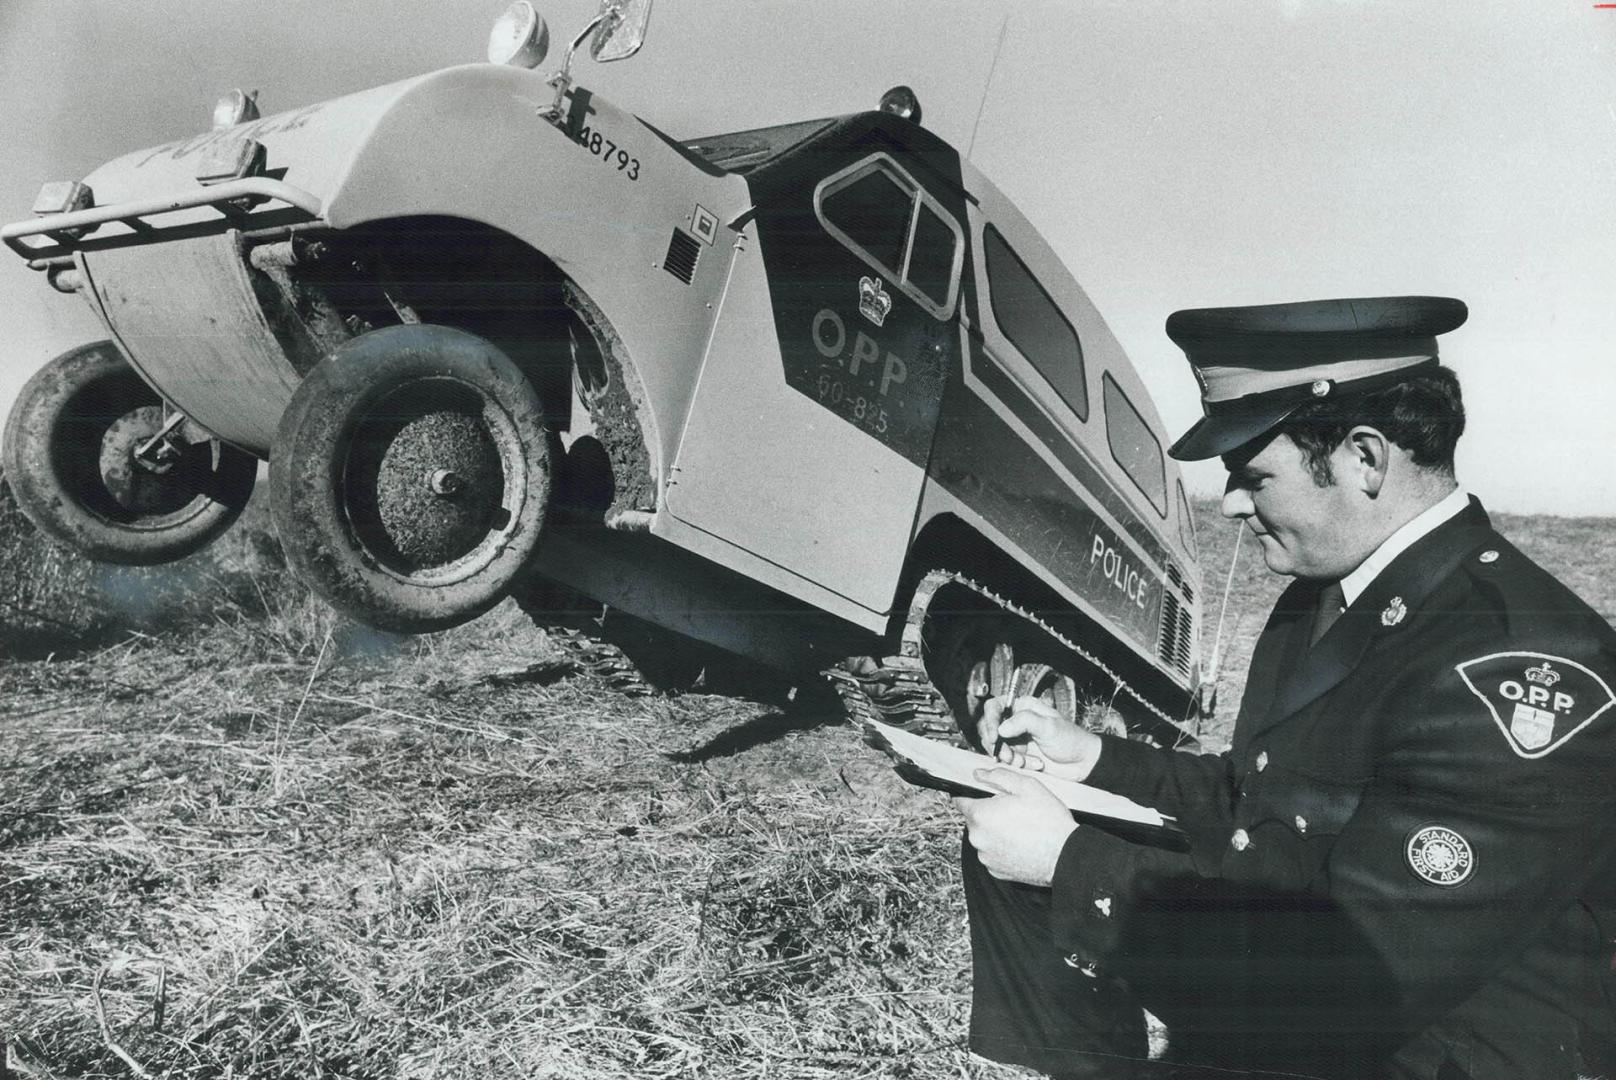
(1405, 864)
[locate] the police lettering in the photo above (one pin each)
(1117, 571)
(1535, 696)
(830, 338)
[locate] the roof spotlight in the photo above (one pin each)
(900, 101)
(519, 37)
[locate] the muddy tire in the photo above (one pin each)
(411, 476)
(69, 456)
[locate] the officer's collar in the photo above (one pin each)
(1449, 506)
(1391, 598)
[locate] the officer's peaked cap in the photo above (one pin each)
(1257, 365)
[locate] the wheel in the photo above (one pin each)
(98, 462)
(411, 475)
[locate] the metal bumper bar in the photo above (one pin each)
(64, 229)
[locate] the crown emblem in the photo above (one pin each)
(874, 303)
(1543, 676)
(1394, 612)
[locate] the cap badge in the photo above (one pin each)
(874, 303)
(1321, 387)
(1394, 612)
(1440, 856)
(1488, 556)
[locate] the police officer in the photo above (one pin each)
(1405, 864)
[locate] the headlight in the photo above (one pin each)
(63, 196)
(230, 158)
(519, 37)
(236, 107)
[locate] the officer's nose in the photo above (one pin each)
(1236, 501)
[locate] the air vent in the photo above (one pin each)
(683, 250)
(1176, 576)
(1177, 634)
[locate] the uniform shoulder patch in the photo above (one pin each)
(1538, 701)
(1440, 856)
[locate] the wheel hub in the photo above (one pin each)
(439, 490)
(145, 484)
(446, 482)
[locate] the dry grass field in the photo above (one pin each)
(241, 837)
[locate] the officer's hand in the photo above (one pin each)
(1035, 736)
(1018, 835)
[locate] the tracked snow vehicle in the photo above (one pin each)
(800, 394)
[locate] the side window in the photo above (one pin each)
(892, 223)
(1186, 524)
(1134, 446)
(1035, 325)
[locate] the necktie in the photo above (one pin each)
(1332, 601)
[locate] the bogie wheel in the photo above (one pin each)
(97, 461)
(973, 660)
(411, 476)
(1046, 684)
(1060, 693)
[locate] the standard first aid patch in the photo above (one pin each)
(1538, 701)
(1440, 856)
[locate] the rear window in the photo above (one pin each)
(931, 256)
(1134, 446)
(879, 212)
(1034, 323)
(874, 212)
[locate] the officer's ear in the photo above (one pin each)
(1369, 453)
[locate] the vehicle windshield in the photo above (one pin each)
(743, 151)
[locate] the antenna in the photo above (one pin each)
(1004, 24)
(1223, 609)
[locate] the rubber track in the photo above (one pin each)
(898, 691)
(599, 659)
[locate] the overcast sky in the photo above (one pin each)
(1176, 154)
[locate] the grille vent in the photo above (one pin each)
(683, 250)
(1176, 576)
(1177, 634)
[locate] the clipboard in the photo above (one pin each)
(930, 764)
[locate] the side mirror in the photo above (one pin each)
(622, 29)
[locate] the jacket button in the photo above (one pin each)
(1241, 840)
(1301, 823)
(1086, 967)
(1262, 761)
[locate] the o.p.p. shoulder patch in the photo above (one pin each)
(1538, 701)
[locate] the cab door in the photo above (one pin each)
(810, 432)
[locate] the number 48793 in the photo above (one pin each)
(608, 151)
